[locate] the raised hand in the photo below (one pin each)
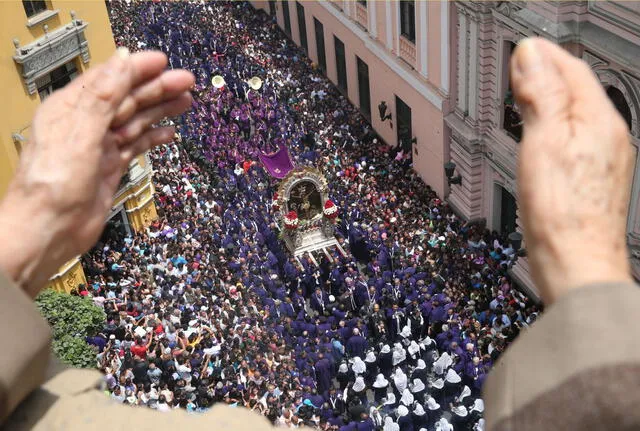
(575, 171)
(82, 140)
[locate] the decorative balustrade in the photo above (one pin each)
(362, 17)
(408, 51)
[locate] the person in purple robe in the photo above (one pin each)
(357, 345)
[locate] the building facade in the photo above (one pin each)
(45, 44)
(484, 125)
(442, 70)
(396, 52)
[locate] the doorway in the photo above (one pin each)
(403, 120)
(363, 88)
(322, 56)
(505, 210)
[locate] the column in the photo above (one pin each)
(462, 62)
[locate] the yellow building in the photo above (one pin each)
(44, 44)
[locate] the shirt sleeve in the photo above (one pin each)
(26, 340)
(576, 367)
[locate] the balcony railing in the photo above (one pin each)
(407, 51)
(362, 17)
(512, 122)
(124, 180)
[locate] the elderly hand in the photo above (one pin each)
(82, 140)
(575, 172)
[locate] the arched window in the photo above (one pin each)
(620, 103)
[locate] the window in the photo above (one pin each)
(287, 17)
(341, 64)
(56, 79)
(302, 27)
(34, 7)
(404, 130)
(619, 101)
(363, 88)
(322, 56)
(408, 19)
(363, 2)
(511, 122)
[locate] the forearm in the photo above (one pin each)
(573, 348)
(31, 251)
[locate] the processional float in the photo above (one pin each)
(302, 208)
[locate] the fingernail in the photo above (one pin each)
(529, 58)
(122, 52)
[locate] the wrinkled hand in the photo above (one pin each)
(575, 171)
(83, 138)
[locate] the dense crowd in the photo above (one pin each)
(208, 306)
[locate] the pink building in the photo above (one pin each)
(484, 127)
(442, 70)
(385, 51)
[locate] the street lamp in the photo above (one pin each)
(382, 109)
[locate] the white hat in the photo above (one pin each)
(218, 81)
(413, 348)
(359, 384)
(358, 367)
(385, 349)
(370, 358)
(343, 368)
(406, 332)
(402, 411)
(407, 397)
(381, 381)
(419, 410)
(452, 376)
(460, 411)
(255, 83)
(432, 404)
(332, 298)
(112, 337)
(418, 386)
(443, 425)
(465, 393)
(421, 365)
(390, 399)
(478, 405)
(427, 341)
(443, 362)
(438, 384)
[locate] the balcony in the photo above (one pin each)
(124, 181)
(512, 121)
(51, 51)
(362, 17)
(408, 51)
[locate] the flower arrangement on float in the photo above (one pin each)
(330, 210)
(291, 220)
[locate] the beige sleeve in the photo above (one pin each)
(70, 402)
(25, 341)
(577, 367)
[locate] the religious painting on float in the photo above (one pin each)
(306, 215)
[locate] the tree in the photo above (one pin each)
(72, 318)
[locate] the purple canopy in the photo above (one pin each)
(278, 164)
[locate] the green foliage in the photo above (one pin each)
(75, 351)
(72, 318)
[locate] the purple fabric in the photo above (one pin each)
(278, 164)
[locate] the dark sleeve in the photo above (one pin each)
(570, 371)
